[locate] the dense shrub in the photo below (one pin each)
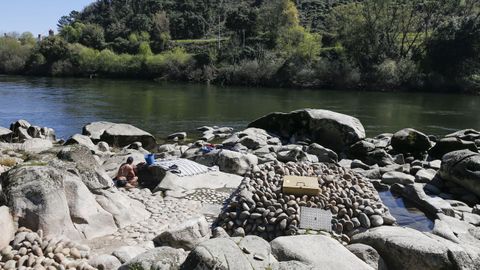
(170, 63)
(13, 55)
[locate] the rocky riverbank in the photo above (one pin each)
(215, 199)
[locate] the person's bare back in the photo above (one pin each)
(126, 172)
(126, 176)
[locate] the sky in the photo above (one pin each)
(36, 16)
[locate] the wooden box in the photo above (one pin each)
(300, 185)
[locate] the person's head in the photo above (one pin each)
(129, 160)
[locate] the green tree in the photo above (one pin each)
(53, 48)
(374, 31)
(296, 41)
(242, 20)
(454, 50)
(67, 20)
(28, 39)
(72, 32)
(275, 17)
(93, 36)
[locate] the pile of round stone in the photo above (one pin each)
(261, 208)
(29, 250)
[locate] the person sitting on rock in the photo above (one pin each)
(126, 176)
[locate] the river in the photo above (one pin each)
(67, 104)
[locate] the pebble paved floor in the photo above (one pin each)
(165, 212)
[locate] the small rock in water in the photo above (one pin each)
(177, 136)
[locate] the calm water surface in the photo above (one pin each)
(406, 214)
(162, 108)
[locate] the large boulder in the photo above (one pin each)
(42, 133)
(235, 162)
(5, 135)
(87, 216)
(405, 248)
(23, 130)
(7, 227)
(369, 255)
(330, 129)
(56, 200)
(125, 211)
(316, 250)
(323, 154)
(361, 149)
(463, 168)
(80, 159)
(36, 145)
(158, 258)
(95, 130)
(187, 235)
(37, 198)
(19, 125)
(252, 138)
(466, 135)
(463, 233)
(247, 253)
(411, 141)
(81, 140)
(451, 144)
(119, 135)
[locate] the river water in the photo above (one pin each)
(162, 108)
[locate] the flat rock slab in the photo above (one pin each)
(316, 250)
(210, 180)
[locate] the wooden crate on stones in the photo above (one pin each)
(300, 185)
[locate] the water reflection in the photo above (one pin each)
(406, 214)
(162, 108)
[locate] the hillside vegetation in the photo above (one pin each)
(370, 44)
